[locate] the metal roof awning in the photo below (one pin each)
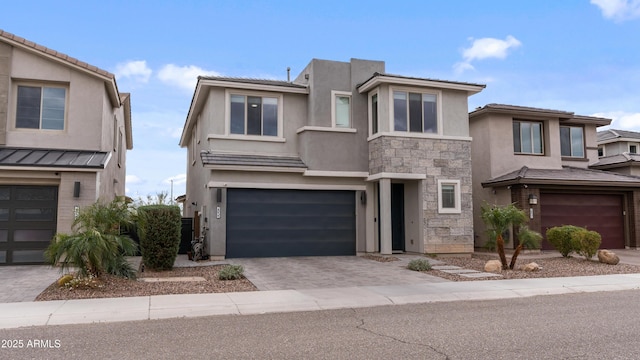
(56, 158)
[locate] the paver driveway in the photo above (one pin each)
(295, 273)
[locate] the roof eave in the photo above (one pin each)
(377, 80)
(521, 181)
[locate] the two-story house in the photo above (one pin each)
(344, 159)
(619, 151)
(64, 132)
(540, 160)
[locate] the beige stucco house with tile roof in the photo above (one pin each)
(543, 161)
(619, 151)
(64, 132)
(344, 159)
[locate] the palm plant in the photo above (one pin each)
(499, 219)
(96, 245)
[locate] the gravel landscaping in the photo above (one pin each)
(110, 286)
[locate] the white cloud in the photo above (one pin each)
(137, 70)
(184, 77)
(622, 120)
(177, 179)
(133, 179)
(485, 48)
(618, 10)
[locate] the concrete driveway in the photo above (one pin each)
(296, 273)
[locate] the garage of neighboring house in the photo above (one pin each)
(603, 213)
(28, 217)
(282, 223)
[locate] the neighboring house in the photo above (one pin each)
(344, 159)
(64, 132)
(619, 151)
(540, 160)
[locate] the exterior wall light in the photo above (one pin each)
(533, 200)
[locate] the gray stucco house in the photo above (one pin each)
(545, 162)
(64, 132)
(619, 151)
(343, 160)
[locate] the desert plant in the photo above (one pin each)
(585, 242)
(159, 232)
(499, 219)
(96, 245)
(527, 239)
(231, 272)
(560, 238)
(419, 265)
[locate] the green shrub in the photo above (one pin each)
(586, 243)
(96, 244)
(528, 238)
(231, 272)
(560, 238)
(159, 233)
(419, 265)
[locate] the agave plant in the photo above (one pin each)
(96, 245)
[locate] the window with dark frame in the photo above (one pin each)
(527, 137)
(374, 114)
(415, 112)
(40, 107)
(253, 115)
(633, 149)
(572, 141)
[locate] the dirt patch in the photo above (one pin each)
(111, 286)
(550, 267)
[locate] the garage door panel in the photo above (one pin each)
(598, 212)
(272, 223)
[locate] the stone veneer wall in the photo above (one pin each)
(439, 159)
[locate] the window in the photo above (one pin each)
(253, 115)
(341, 109)
(572, 141)
(449, 197)
(527, 137)
(374, 113)
(40, 107)
(115, 133)
(633, 149)
(415, 112)
(600, 151)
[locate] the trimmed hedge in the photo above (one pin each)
(586, 243)
(560, 238)
(159, 232)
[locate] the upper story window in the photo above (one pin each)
(633, 149)
(40, 107)
(341, 109)
(253, 115)
(572, 141)
(415, 112)
(527, 137)
(374, 113)
(600, 151)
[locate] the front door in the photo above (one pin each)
(397, 217)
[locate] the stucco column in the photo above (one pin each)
(370, 231)
(385, 217)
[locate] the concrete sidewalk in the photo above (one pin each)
(61, 312)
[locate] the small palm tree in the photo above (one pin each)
(499, 220)
(96, 245)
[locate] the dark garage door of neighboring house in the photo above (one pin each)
(275, 223)
(28, 217)
(599, 212)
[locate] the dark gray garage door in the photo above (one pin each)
(598, 212)
(274, 223)
(27, 223)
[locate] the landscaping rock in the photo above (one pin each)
(531, 267)
(608, 257)
(493, 266)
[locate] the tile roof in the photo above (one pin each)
(53, 158)
(253, 81)
(45, 50)
(566, 176)
(217, 158)
(618, 160)
(611, 134)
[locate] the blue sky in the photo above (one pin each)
(574, 55)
